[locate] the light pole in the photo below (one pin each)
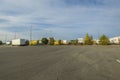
(30, 33)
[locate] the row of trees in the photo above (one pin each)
(103, 40)
(88, 40)
(50, 41)
(46, 41)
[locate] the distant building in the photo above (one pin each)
(97, 41)
(8, 42)
(65, 42)
(115, 40)
(80, 40)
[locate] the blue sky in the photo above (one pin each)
(63, 19)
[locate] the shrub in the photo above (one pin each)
(44, 40)
(0, 42)
(51, 41)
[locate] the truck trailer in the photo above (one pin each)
(18, 42)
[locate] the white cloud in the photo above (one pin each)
(57, 16)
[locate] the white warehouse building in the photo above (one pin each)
(80, 40)
(115, 40)
(65, 42)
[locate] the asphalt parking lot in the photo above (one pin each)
(60, 63)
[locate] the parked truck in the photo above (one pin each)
(18, 42)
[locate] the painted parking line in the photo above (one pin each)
(118, 60)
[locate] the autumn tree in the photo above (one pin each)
(44, 40)
(88, 39)
(51, 41)
(104, 40)
(60, 42)
(119, 40)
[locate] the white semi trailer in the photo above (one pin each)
(18, 42)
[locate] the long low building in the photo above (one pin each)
(80, 40)
(65, 42)
(115, 40)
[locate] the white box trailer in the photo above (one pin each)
(18, 42)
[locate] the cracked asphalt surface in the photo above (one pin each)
(60, 63)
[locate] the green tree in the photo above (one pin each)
(0, 42)
(51, 41)
(104, 40)
(73, 42)
(88, 39)
(59, 42)
(44, 40)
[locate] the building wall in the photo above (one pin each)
(64, 42)
(80, 40)
(115, 40)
